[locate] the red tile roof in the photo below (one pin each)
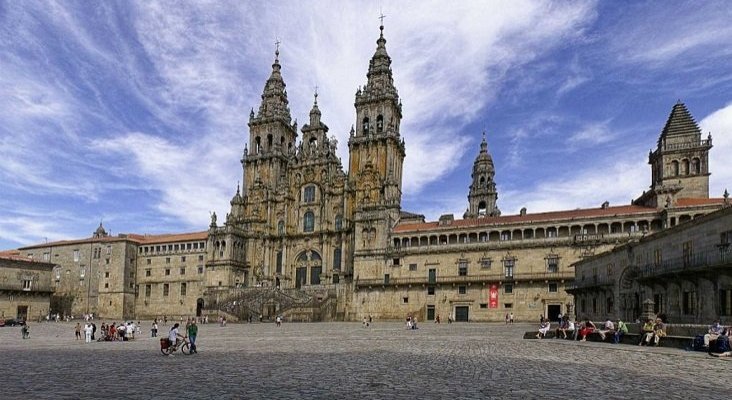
(697, 202)
(14, 255)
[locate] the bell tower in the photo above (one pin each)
(272, 134)
(680, 163)
(376, 152)
(483, 195)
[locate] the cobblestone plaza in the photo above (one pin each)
(346, 360)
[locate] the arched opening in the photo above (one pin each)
(482, 208)
(685, 167)
(380, 123)
(308, 224)
(365, 125)
(257, 145)
(482, 181)
(269, 142)
(675, 168)
(695, 166)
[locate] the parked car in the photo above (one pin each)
(12, 322)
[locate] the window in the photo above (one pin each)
(106, 274)
(281, 228)
(508, 289)
(82, 272)
(200, 258)
(76, 255)
(106, 285)
(166, 289)
(463, 268)
(47, 257)
(553, 288)
(505, 236)
(339, 222)
(594, 305)
(148, 272)
(395, 262)
(309, 195)
(365, 125)
(405, 300)
(337, 259)
(610, 270)
(109, 250)
(149, 261)
(27, 284)
(507, 305)
(106, 261)
(412, 267)
(688, 252)
(386, 279)
(308, 224)
(148, 290)
(508, 265)
(183, 288)
(657, 257)
(552, 264)
(380, 123)
(176, 247)
(279, 262)
(485, 263)
(167, 271)
(167, 260)
(200, 269)
(57, 273)
(430, 290)
(336, 278)
(462, 289)
(183, 259)
(483, 305)
(610, 304)
(432, 275)
(182, 270)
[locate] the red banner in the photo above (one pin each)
(493, 297)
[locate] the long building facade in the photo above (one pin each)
(304, 234)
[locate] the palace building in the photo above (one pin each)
(311, 241)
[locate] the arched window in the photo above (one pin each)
(309, 194)
(380, 123)
(281, 228)
(695, 166)
(339, 222)
(366, 125)
(269, 142)
(685, 167)
(482, 181)
(308, 224)
(675, 168)
(257, 145)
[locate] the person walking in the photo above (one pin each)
(192, 333)
(154, 330)
(78, 331)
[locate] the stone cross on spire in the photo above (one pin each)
(277, 47)
(381, 18)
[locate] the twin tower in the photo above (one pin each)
(299, 219)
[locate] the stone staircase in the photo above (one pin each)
(293, 304)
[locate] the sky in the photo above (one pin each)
(135, 113)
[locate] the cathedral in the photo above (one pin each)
(308, 240)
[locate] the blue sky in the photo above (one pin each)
(135, 112)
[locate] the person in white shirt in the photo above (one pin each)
(88, 332)
(609, 327)
(173, 335)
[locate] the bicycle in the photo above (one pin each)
(167, 348)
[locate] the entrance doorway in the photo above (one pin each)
(553, 311)
(22, 313)
(301, 275)
(461, 313)
(199, 307)
(430, 313)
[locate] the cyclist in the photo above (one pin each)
(174, 335)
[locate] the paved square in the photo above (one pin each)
(346, 360)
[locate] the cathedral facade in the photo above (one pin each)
(306, 239)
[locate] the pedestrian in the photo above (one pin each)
(278, 321)
(94, 330)
(165, 320)
(365, 322)
(437, 319)
(370, 319)
(154, 330)
(510, 318)
(506, 318)
(87, 332)
(25, 331)
(78, 331)
(192, 333)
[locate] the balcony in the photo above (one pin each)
(482, 278)
(694, 263)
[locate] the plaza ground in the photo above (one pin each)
(346, 360)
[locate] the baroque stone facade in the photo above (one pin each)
(305, 238)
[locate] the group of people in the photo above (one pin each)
(720, 335)
(191, 332)
(509, 318)
(109, 332)
(579, 330)
(411, 322)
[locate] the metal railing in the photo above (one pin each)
(709, 258)
(446, 279)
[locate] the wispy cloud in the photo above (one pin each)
(719, 124)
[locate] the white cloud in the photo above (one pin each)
(592, 133)
(719, 124)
